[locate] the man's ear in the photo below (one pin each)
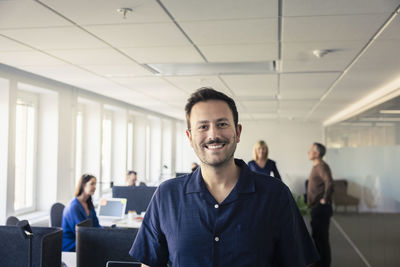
(238, 132)
(189, 136)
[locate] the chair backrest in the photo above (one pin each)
(46, 247)
(340, 187)
(56, 213)
(12, 221)
(123, 264)
(138, 198)
(96, 246)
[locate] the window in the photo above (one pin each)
(106, 150)
(78, 145)
(25, 146)
(129, 156)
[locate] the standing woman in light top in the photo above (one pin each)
(80, 209)
(261, 163)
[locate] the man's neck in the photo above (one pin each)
(220, 180)
(317, 161)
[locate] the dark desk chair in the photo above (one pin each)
(56, 213)
(12, 221)
(123, 264)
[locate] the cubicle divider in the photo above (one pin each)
(46, 247)
(96, 246)
(138, 198)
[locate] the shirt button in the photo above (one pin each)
(216, 206)
(216, 239)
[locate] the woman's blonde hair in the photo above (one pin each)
(260, 143)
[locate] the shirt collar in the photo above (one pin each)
(245, 184)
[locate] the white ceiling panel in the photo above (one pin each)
(264, 116)
(240, 53)
(337, 7)
(140, 35)
(190, 10)
(105, 56)
(314, 65)
(105, 11)
(169, 54)
(392, 32)
(331, 28)
(192, 83)
(55, 38)
(298, 104)
(232, 31)
(301, 94)
(307, 81)
(9, 45)
(125, 70)
(252, 85)
(28, 58)
(260, 106)
(27, 14)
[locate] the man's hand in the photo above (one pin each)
(322, 201)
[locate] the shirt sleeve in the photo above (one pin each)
(295, 246)
(326, 176)
(275, 171)
(150, 246)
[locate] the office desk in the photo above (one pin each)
(134, 222)
(69, 258)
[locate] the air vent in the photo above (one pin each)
(217, 68)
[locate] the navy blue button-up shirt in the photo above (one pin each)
(257, 225)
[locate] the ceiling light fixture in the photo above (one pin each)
(124, 11)
(321, 53)
(389, 111)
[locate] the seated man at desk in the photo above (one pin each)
(131, 179)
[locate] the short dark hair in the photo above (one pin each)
(207, 93)
(320, 149)
(131, 172)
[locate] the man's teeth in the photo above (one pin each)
(215, 146)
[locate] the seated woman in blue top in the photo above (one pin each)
(80, 209)
(261, 163)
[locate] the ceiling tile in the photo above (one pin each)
(28, 58)
(392, 32)
(105, 11)
(337, 7)
(307, 81)
(140, 35)
(190, 10)
(260, 106)
(331, 28)
(232, 31)
(28, 14)
(240, 53)
(252, 85)
(192, 83)
(55, 38)
(9, 45)
(105, 56)
(297, 104)
(169, 54)
(125, 70)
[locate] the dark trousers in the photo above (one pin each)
(320, 218)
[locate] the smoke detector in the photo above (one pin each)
(320, 53)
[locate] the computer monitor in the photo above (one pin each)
(112, 208)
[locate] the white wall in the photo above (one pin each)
(288, 143)
(373, 175)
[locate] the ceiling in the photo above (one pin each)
(92, 46)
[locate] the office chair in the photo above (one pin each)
(123, 264)
(12, 221)
(56, 213)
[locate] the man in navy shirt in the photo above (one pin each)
(222, 214)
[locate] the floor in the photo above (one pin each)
(365, 240)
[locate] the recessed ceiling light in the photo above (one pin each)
(389, 111)
(212, 68)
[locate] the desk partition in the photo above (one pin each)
(138, 198)
(96, 246)
(46, 247)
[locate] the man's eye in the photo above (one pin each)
(222, 125)
(203, 127)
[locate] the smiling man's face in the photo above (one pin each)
(212, 134)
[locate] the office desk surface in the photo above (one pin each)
(69, 258)
(134, 222)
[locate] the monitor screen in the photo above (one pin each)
(113, 208)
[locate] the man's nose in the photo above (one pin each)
(212, 132)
